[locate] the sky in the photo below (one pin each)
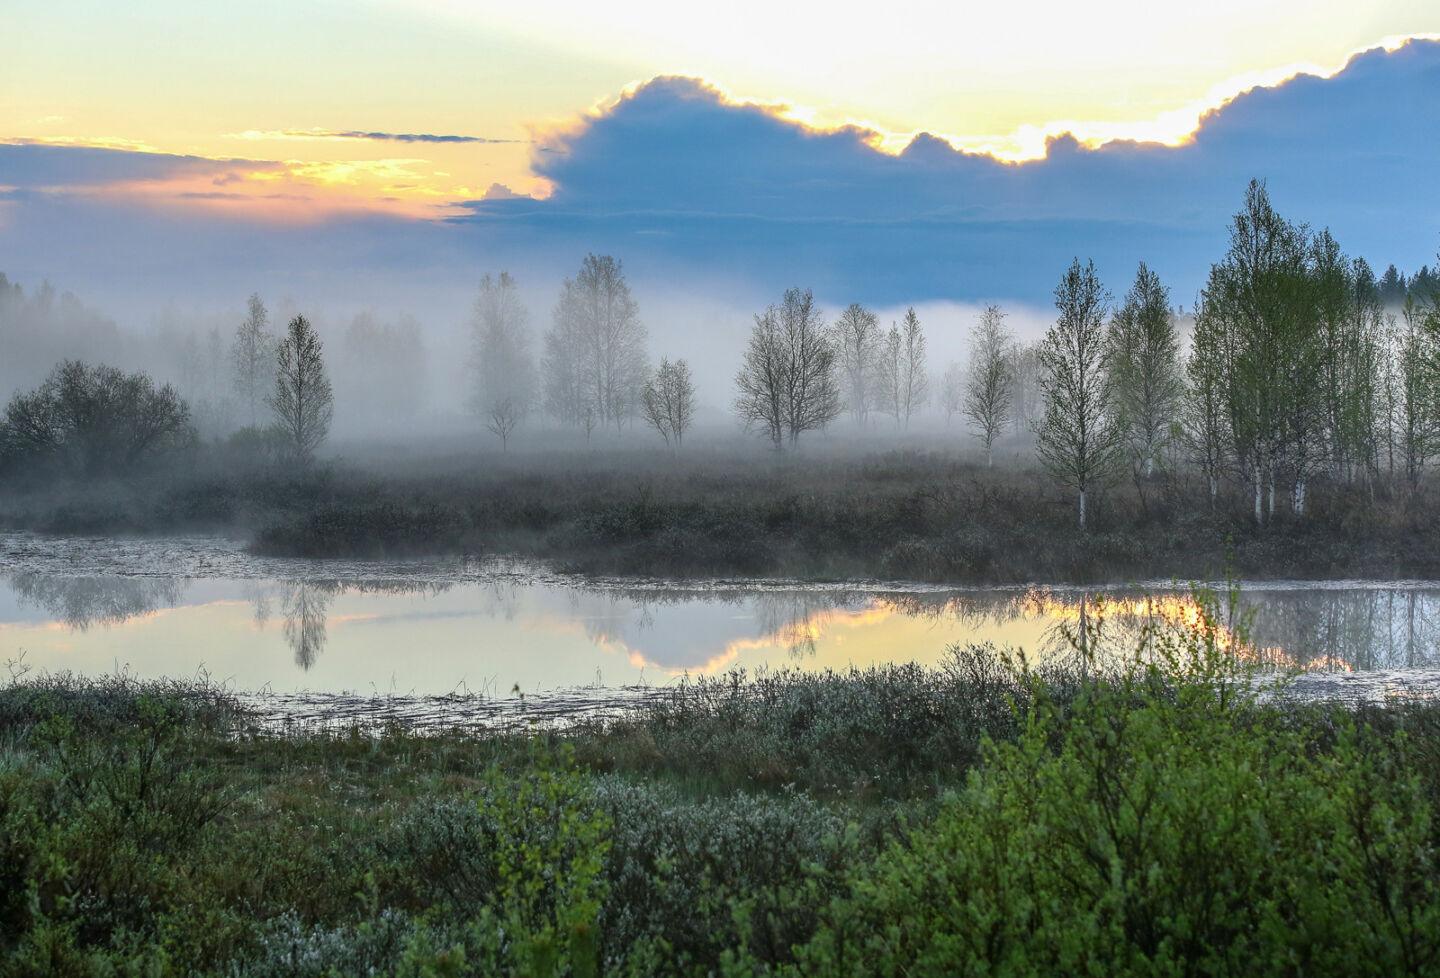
(391, 152)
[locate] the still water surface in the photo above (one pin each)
(190, 606)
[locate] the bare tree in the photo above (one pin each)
(502, 362)
(989, 389)
(668, 403)
(858, 341)
(252, 355)
(380, 371)
(1078, 440)
(302, 402)
(889, 371)
(952, 390)
(914, 392)
(1028, 406)
(597, 345)
(787, 383)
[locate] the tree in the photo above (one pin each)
(1261, 297)
(503, 365)
(952, 389)
(1078, 440)
(788, 384)
(1204, 415)
(858, 342)
(990, 386)
(252, 356)
(1419, 408)
(1028, 405)
(380, 372)
(301, 403)
(1144, 370)
(668, 403)
(94, 421)
(889, 369)
(914, 385)
(595, 351)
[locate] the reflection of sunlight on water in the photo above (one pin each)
(1180, 612)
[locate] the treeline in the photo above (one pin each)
(1297, 370)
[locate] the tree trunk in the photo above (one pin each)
(1082, 509)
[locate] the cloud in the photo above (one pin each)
(393, 137)
(697, 192)
(675, 172)
(36, 165)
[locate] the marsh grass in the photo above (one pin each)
(1151, 815)
(898, 515)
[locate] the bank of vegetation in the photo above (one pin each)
(910, 515)
(1153, 818)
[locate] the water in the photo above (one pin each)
(437, 638)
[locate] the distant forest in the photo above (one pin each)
(1298, 365)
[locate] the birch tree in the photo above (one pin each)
(914, 383)
(1203, 412)
(990, 385)
(1078, 440)
(787, 384)
(668, 403)
(501, 362)
(858, 341)
(252, 357)
(596, 346)
(1144, 370)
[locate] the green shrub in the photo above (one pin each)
(1164, 822)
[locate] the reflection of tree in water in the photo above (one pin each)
(305, 608)
(80, 602)
(1369, 628)
(305, 605)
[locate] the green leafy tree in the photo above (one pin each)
(1144, 370)
(1261, 296)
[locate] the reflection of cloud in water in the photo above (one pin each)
(79, 602)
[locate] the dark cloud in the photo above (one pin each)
(735, 187)
(394, 137)
(45, 165)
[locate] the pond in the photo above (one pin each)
(322, 639)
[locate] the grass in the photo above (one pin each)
(904, 515)
(974, 819)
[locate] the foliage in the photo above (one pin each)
(1160, 818)
(93, 421)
